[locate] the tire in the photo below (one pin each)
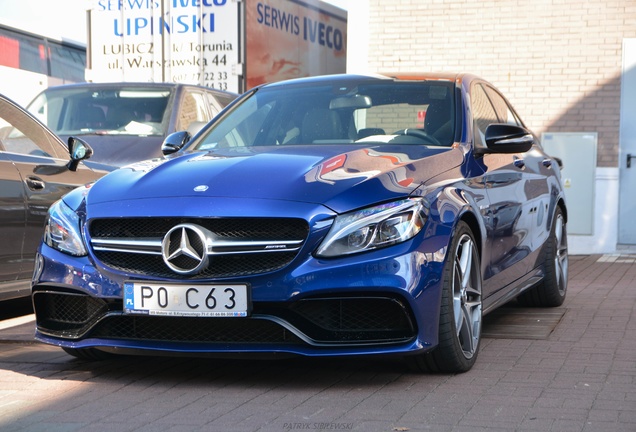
(460, 318)
(90, 354)
(551, 291)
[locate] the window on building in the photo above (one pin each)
(41, 55)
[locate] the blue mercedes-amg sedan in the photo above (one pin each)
(326, 216)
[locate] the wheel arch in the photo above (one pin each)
(460, 207)
(564, 209)
(471, 220)
(558, 203)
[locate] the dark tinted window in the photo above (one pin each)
(483, 114)
(193, 111)
(38, 54)
(126, 110)
(67, 62)
(336, 113)
(504, 113)
(19, 133)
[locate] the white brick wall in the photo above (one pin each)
(558, 61)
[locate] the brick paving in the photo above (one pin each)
(582, 377)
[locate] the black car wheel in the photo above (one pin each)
(551, 291)
(461, 309)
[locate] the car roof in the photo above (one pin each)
(148, 85)
(457, 77)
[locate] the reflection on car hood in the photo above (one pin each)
(120, 150)
(340, 177)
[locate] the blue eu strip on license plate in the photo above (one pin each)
(168, 299)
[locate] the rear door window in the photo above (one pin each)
(193, 112)
(483, 114)
(503, 110)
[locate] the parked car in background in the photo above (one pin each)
(325, 216)
(36, 169)
(126, 122)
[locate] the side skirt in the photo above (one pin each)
(511, 291)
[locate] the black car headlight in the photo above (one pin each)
(374, 227)
(62, 230)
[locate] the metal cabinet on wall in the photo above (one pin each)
(577, 150)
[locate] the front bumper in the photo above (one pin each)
(375, 305)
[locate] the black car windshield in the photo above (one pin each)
(103, 111)
(339, 112)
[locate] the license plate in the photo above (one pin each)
(155, 298)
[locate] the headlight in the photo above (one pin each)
(62, 230)
(374, 227)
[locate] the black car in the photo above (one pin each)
(126, 122)
(36, 169)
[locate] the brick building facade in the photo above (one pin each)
(558, 61)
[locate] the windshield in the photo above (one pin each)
(127, 111)
(339, 112)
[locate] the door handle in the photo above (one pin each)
(629, 159)
(519, 163)
(35, 183)
(547, 163)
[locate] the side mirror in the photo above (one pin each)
(505, 138)
(78, 150)
(174, 142)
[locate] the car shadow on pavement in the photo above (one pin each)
(19, 348)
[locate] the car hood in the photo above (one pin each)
(120, 150)
(340, 177)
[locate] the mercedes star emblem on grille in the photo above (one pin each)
(184, 249)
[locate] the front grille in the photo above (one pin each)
(247, 246)
(220, 266)
(354, 314)
(322, 321)
(194, 330)
(239, 228)
(67, 314)
(349, 319)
